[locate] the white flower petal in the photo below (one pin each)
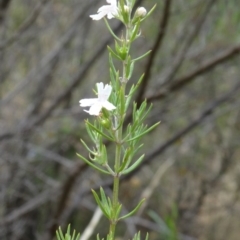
(106, 9)
(109, 106)
(105, 92)
(95, 109)
(112, 2)
(98, 16)
(110, 15)
(109, 10)
(100, 87)
(88, 102)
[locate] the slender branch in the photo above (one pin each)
(204, 68)
(4, 5)
(25, 26)
(88, 231)
(62, 200)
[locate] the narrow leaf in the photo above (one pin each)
(86, 146)
(144, 55)
(92, 165)
(111, 31)
(143, 133)
(134, 165)
(133, 211)
(100, 132)
(100, 204)
(149, 13)
(113, 53)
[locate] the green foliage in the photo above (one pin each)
(68, 235)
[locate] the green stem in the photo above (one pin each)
(118, 135)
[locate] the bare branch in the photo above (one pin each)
(209, 65)
(25, 26)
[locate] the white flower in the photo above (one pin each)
(96, 104)
(110, 10)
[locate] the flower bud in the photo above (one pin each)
(140, 12)
(126, 9)
(105, 123)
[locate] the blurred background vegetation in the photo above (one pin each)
(51, 56)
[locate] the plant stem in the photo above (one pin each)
(118, 135)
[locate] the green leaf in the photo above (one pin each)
(143, 133)
(90, 133)
(132, 91)
(133, 211)
(100, 132)
(149, 13)
(92, 165)
(67, 236)
(113, 53)
(100, 204)
(110, 30)
(118, 210)
(146, 238)
(126, 159)
(103, 197)
(144, 55)
(135, 31)
(131, 70)
(134, 165)
(86, 146)
(112, 64)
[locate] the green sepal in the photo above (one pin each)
(101, 204)
(143, 133)
(100, 132)
(110, 30)
(144, 55)
(92, 165)
(133, 211)
(113, 53)
(134, 165)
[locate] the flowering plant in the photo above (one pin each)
(110, 107)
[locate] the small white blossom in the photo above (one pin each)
(110, 10)
(96, 104)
